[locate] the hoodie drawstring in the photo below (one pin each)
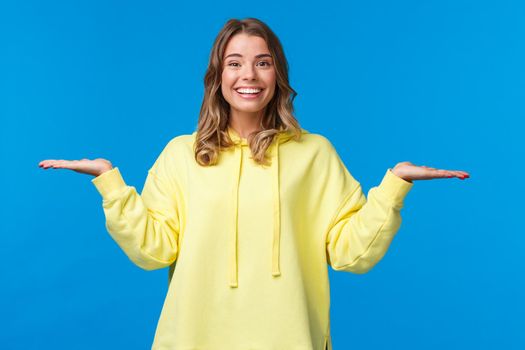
(233, 262)
(276, 213)
(276, 236)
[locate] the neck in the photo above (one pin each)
(245, 122)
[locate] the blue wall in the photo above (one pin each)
(438, 83)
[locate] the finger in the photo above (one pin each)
(445, 173)
(463, 172)
(63, 164)
(435, 173)
(46, 162)
(458, 174)
(462, 175)
(52, 164)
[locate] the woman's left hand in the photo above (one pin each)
(408, 172)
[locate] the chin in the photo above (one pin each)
(249, 110)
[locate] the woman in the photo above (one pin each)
(249, 209)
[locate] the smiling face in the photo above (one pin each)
(247, 63)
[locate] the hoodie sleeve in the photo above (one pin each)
(361, 230)
(146, 227)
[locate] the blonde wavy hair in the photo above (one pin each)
(212, 135)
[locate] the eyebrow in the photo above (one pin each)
(258, 56)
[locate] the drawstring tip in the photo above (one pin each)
(233, 280)
(233, 276)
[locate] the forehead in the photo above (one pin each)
(246, 45)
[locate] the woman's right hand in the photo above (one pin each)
(85, 166)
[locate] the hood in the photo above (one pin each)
(241, 145)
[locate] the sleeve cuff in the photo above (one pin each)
(109, 183)
(394, 188)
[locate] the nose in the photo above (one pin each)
(249, 72)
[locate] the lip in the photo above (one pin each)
(249, 97)
(248, 87)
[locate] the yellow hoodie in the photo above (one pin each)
(248, 246)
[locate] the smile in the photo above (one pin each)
(249, 94)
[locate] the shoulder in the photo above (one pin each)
(316, 142)
(172, 159)
(180, 143)
(317, 139)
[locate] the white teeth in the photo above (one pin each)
(248, 91)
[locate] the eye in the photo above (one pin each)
(267, 63)
(232, 63)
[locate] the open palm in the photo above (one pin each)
(85, 166)
(409, 171)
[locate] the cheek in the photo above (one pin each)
(225, 85)
(270, 80)
(227, 80)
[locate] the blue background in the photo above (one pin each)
(437, 83)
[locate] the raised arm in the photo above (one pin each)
(145, 226)
(362, 229)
